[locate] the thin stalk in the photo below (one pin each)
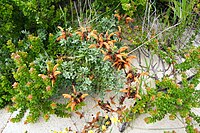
(72, 15)
(153, 38)
(78, 18)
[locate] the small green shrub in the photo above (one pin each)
(17, 20)
(6, 78)
(39, 79)
(6, 91)
(168, 98)
(32, 92)
(133, 7)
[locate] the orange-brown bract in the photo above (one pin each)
(64, 34)
(52, 74)
(75, 98)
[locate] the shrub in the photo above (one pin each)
(66, 61)
(32, 92)
(19, 18)
(95, 58)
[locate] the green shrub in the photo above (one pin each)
(42, 74)
(44, 65)
(6, 78)
(168, 98)
(133, 7)
(19, 18)
(6, 91)
(32, 92)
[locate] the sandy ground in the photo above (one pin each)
(58, 124)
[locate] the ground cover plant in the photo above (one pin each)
(91, 47)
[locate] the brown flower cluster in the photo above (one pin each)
(64, 34)
(75, 98)
(106, 43)
(52, 74)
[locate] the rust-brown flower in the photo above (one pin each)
(75, 98)
(122, 60)
(83, 32)
(63, 35)
(103, 40)
(52, 74)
